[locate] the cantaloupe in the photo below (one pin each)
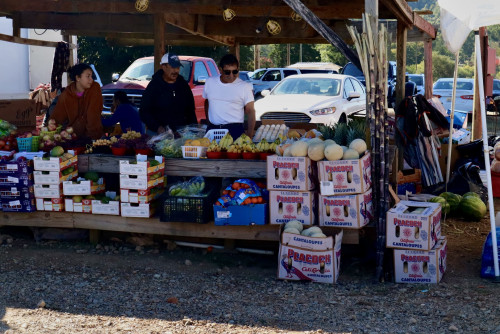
(350, 154)
(299, 148)
(359, 145)
(333, 152)
(316, 151)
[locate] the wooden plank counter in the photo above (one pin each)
(104, 163)
(150, 226)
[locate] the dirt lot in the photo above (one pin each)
(117, 287)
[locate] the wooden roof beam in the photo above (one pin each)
(196, 26)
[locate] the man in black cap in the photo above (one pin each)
(168, 99)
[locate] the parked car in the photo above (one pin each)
(443, 89)
(270, 77)
(352, 70)
(245, 75)
(312, 98)
(496, 88)
(137, 76)
(419, 80)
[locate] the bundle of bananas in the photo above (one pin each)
(226, 141)
(263, 145)
(234, 148)
(243, 139)
(131, 135)
(104, 142)
(251, 148)
(214, 147)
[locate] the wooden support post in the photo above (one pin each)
(229, 244)
(94, 236)
(67, 39)
(235, 50)
(256, 57)
(428, 68)
(401, 40)
(371, 8)
(16, 28)
(477, 130)
(288, 55)
(159, 38)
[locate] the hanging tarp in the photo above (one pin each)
(460, 17)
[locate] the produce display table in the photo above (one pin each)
(103, 163)
(150, 226)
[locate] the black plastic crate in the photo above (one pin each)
(194, 209)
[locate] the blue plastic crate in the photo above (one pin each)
(487, 265)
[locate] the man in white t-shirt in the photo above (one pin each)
(228, 99)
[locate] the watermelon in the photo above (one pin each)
(472, 208)
(445, 207)
(471, 194)
(452, 199)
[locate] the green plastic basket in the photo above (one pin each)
(35, 143)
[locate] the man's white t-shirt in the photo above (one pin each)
(227, 100)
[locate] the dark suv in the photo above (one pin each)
(351, 69)
(137, 76)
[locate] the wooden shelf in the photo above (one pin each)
(103, 163)
(150, 226)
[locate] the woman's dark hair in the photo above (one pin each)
(229, 59)
(77, 70)
(121, 97)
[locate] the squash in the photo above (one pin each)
(299, 148)
(359, 145)
(350, 154)
(316, 151)
(333, 152)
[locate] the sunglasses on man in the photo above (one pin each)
(228, 72)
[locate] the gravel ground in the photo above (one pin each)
(114, 287)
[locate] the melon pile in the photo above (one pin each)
(469, 205)
(317, 149)
(296, 227)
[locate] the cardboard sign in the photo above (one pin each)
(412, 266)
(21, 113)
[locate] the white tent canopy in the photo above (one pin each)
(458, 19)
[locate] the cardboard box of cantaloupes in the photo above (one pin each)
(344, 177)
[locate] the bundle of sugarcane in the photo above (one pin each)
(373, 57)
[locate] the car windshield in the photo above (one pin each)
(143, 69)
(314, 86)
(258, 74)
(418, 79)
(462, 85)
(496, 85)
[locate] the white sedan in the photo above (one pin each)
(464, 97)
(312, 98)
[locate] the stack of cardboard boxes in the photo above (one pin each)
(16, 186)
(74, 202)
(49, 175)
(345, 199)
(414, 231)
(292, 184)
(141, 183)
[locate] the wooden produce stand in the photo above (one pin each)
(101, 163)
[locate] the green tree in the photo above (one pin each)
(442, 66)
(278, 54)
(330, 54)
